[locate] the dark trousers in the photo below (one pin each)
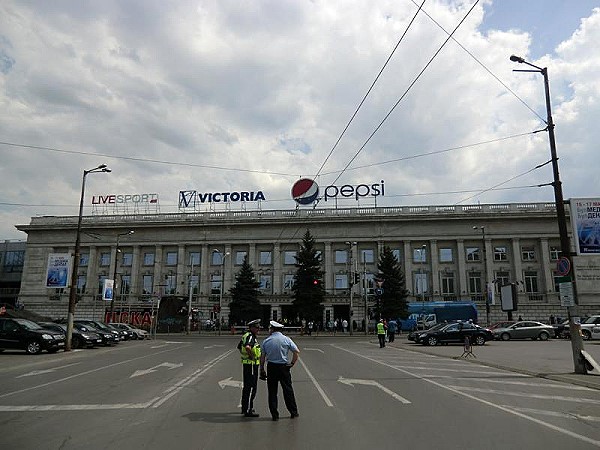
(250, 385)
(381, 338)
(280, 374)
(391, 336)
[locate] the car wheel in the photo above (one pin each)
(432, 340)
(544, 336)
(586, 335)
(33, 347)
(479, 340)
(505, 336)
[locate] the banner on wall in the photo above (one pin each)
(107, 290)
(585, 220)
(58, 269)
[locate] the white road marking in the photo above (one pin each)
(544, 412)
(26, 408)
(42, 371)
(480, 400)
(168, 365)
(314, 349)
(527, 395)
(317, 385)
(160, 346)
(213, 346)
(230, 382)
(525, 383)
(351, 382)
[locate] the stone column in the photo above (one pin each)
(181, 271)
(408, 267)
(329, 275)
(546, 269)
(435, 268)
(277, 268)
(135, 273)
(463, 287)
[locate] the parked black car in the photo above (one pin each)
(456, 332)
(101, 327)
(415, 335)
(26, 335)
(79, 339)
(107, 337)
(124, 334)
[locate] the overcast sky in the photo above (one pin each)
(223, 95)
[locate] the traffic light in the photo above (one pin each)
(357, 278)
(315, 282)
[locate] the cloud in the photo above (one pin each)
(219, 95)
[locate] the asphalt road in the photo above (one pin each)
(184, 393)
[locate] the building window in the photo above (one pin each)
(194, 282)
(341, 256)
(13, 261)
(148, 259)
(147, 283)
(171, 259)
(531, 282)
(501, 280)
(104, 259)
(195, 258)
(446, 255)
(419, 255)
(420, 284)
(397, 254)
(473, 254)
(447, 284)
(289, 257)
(240, 257)
(215, 284)
(475, 283)
(528, 253)
(125, 284)
(171, 284)
(554, 253)
(370, 282)
(216, 258)
(81, 282)
(288, 282)
(265, 283)
(127, 259)
(265, 258)
(367, 256)
(500, 254)
(341, 281)
(84, 259)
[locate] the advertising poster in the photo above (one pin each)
(585, 219)
(57, 272)
(107, 290)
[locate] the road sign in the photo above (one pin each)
(563, 266)
(566, 294)
(378, 291)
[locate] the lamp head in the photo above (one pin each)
(515, 58)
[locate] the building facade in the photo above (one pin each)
(446, 253)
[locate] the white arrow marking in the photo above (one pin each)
(39, 372)
(230, 382)
(170, 366)
(351, 382)
(315, 349)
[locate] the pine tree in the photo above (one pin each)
(245, 305)
(392, 302)
(308, 292)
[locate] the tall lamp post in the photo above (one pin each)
(565, 244)
(112, 300)
(73, 288)
(486, 284)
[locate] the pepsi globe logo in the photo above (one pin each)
(305, 191)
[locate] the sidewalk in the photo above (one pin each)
(552, 359)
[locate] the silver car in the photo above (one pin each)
(525, 329)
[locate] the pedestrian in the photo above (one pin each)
(552, 320)
(250, 350)
(520, 318)
(392, 326)
(275, 350)
(381, 333)
(345, 325)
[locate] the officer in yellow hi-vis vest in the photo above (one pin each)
(250, 351)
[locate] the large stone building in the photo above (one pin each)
(446, 252)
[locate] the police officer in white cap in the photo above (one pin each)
(275, 350)
(250, 350)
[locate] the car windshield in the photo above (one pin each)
(590, 319)
(28, 324)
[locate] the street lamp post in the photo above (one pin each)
(114, 294)
(73, 287)
(565, 244)
(486, 284)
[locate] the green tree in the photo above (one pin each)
(245, 305)
(392, 302)
(308, 292)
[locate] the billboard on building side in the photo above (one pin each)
(585, 220)
(58, 269)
